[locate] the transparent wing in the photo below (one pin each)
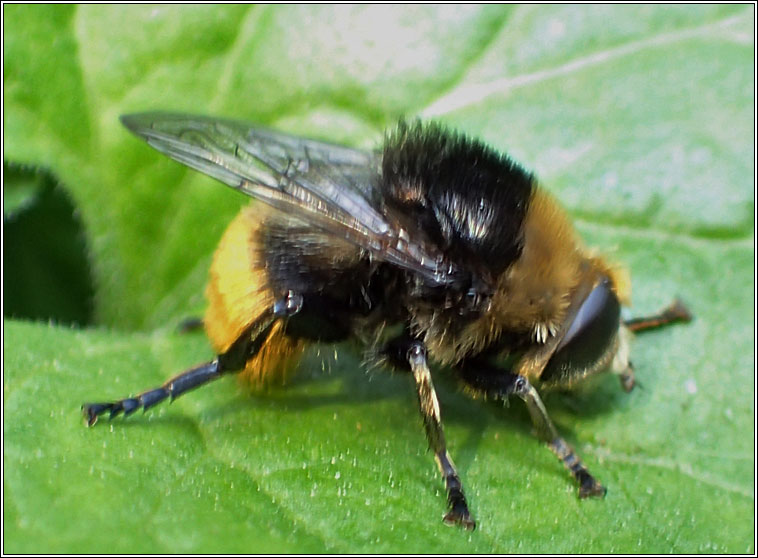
(331, 187)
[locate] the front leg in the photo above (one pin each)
(500, 384)
(404, 353)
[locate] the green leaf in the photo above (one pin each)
(640, 120)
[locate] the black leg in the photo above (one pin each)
(233, 360)
(500, 384)
(173, 388)
(190, 325)
(405, 352)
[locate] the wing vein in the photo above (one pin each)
(330, 187)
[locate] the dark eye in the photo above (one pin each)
(588, 337)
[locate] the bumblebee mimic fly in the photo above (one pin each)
(434, 248)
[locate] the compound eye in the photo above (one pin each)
(588, 337)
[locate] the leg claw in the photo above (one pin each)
(460, 515)
(592, 490)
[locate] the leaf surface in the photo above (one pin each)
(639, 119)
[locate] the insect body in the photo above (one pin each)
(437, 238)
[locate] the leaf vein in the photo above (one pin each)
(476, 93)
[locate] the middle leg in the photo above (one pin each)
(406, 353)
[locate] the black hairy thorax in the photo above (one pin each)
(455, 196)
(466, 200)
(464, 197)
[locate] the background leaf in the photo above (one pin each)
(639, 118)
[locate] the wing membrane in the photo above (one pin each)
(329, 186)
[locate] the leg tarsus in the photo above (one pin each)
(173, 388)
(588, 485)
(458, 512)
(590, 488)
(92, 411)
(677, 311)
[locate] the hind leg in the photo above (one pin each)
(232, 361)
